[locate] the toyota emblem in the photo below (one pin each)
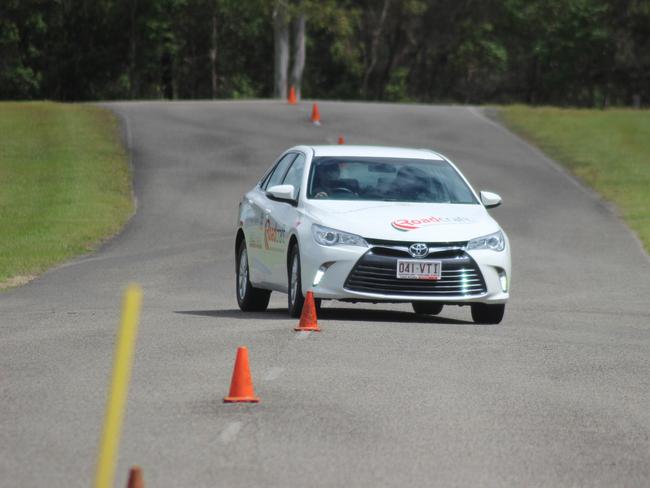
(418, 250)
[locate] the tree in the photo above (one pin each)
(21, 26)
(298, 24)
(579, 52)
(213, 54)
(378, 22)
(281, 42)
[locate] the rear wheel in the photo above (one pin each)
(482, 313)
(429, 308)
(249, 298)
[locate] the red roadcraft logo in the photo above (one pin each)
(272, 233)
(406, 225)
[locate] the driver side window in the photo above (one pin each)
(278, 172)
(294, 175)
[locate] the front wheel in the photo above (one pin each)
(295, 298)
(249, 298)
(482, 313)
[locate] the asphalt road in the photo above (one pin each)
(556, 395)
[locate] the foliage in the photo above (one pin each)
(576, 52)
(20, 30)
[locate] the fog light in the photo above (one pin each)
(321, 272)
(503, 278)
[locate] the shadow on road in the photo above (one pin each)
(345, 314)
(235, 313)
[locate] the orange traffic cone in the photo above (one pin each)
(135, 478)
(292, 96)
(241, 386)
(308, 321)
(341, 139)
(315, 115)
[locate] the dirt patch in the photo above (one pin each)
(16, 281)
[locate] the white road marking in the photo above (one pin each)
(273, 373)
(302, 335)
(229, 434)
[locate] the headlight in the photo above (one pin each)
(496, 242)
(332, 237)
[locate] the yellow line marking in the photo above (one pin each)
(105, 473)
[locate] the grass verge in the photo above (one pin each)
(65, 185)
(607, 149)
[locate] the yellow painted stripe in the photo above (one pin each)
(119, 387)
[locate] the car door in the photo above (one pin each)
(260, 235)
(281, 219)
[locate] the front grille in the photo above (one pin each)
(401, 248)
(388, 243)
(376, 272)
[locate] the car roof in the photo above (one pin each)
(345, 150)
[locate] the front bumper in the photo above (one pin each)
(368, 274)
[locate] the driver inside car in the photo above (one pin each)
(410, 183)
(326, 179)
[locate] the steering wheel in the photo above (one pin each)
(342, 189)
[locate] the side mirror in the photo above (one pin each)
(282, 193)
(490, 200)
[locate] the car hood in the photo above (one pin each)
(426, 222)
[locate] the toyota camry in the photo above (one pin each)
(371, 224)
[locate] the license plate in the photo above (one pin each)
(418, 269)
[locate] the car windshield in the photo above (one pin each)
(387, 179)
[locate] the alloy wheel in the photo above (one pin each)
(294, 279)
(242, 282)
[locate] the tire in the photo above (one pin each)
(428, 308)
(249, 298)
(482, 313)
(295, 298)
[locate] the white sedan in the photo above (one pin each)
(371, 224)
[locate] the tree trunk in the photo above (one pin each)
(167, 74)
(531, 89)
(374, 48)
(132, 51)
(298, 53)
(397, 50)
(281, 41)
(213, 56)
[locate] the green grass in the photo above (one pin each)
(607, 149)
(65, 185)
